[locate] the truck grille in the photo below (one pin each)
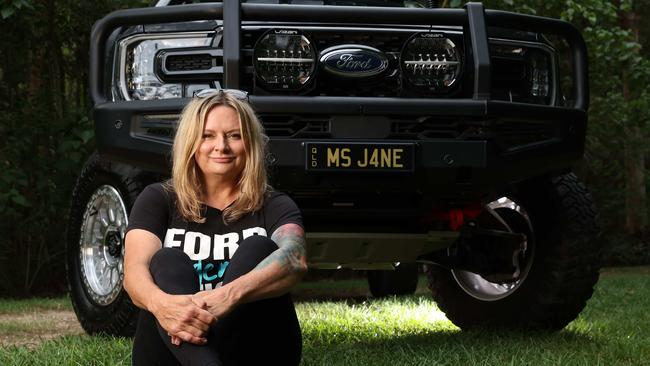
(295, 126)
(509, 136)
(518, 135)
(428, 128)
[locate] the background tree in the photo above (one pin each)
(46, 132)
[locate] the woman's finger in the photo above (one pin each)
(175, 340)
(187, 337)
(199, 301)
(205, 317)
(197, 323)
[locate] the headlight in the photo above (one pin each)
(522, 72)
(539, 75)
(431, 61)
(137, 73)
(284, 59)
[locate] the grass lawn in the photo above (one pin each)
(614, 329)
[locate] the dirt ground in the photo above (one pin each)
(29, 329)
(32, 328)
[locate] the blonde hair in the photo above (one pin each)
(187, 178)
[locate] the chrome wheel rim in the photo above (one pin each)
(101, 249)
(504, 209)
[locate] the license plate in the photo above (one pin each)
(353, 156)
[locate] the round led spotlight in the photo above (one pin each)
(284, 59)
(431, 61)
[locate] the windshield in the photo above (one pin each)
(387, 3)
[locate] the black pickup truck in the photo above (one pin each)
(408, 136)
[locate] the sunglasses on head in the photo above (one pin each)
(210, 92)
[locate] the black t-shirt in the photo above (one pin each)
(211, 244)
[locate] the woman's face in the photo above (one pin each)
(221, 149)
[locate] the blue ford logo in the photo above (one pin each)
(354, 60)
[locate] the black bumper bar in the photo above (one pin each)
(473, 17)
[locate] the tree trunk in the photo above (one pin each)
(636, 214)
(55, 61)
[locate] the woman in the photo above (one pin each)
(198, 260)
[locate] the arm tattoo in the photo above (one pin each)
(290, 239)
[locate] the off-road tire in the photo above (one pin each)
(564, 269)
(119, 316)
(401, 281)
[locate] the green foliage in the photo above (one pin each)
(8, 8)
(39, 171)
(47, 133)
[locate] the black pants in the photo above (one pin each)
(262, 332)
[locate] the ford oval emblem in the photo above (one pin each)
(354, 60)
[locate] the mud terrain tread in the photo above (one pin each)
(120, 317)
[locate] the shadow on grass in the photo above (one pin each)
(340, 298)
